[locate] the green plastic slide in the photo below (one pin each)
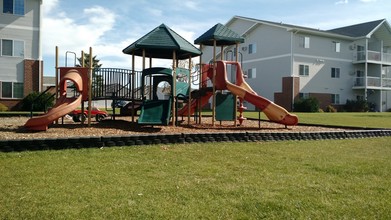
(155, 112)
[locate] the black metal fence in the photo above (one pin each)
(115, 83)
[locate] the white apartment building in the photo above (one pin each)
(20, 50)
(285, 62)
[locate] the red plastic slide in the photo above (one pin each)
(63, 105)
(273, 111)
(204, 100)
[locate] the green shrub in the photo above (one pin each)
(37, 101)
(310, 104)
(356, 106)
(3, 108)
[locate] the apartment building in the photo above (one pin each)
(285, 62)
(20, 50)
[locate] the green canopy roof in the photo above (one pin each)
(160, 43)
(222, 34)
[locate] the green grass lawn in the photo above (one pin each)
(334, 179)
(360, 119)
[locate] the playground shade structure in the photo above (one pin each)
(273, 111)
(63, 106)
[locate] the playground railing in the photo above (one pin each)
(122, 83)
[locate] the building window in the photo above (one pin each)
(18, 90)
(304, 95)
(335, 72)
(12, 48)
(337, 46)
(11, 90)
(252, 73)
(6, 89)
(13, 7)
(306, 42)
(252, 48)
(335, 99)
(304, 70)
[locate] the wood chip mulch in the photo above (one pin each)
(12, 128)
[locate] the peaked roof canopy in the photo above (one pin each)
(160, 43)
(222, 34)
(358, 30)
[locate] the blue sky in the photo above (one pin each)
(110, 26)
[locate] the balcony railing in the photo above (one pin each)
(374, 56)
(372, 82)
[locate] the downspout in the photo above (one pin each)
(381, 77)
(40, 60)
(366, 71)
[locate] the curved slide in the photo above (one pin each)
(63, 105)
(273, 111)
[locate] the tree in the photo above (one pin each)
(97, 80)
(95, 62)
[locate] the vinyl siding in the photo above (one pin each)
(24, 28)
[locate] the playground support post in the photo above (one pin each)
(82, 103)
(189, 102)
(173, 89)
(199, 108)
(56, 69)
(236, 98)
(214, 82)
(90, 89)
(133, 85)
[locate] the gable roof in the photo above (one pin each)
(288, 27)
(160, 43)
(352, 32)
(358, 30)
(221, 34)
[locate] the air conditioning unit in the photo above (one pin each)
(244, 48)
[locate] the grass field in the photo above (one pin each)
(334, 179)
(357, 119)
(338, 179)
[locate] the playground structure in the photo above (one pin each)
(64, 103)
(157, 91)
(241, 89)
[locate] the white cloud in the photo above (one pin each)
(76, 33)
(101, 17)
(191, 5)
(154, 12)
(67, 33)
(342, 2)
(48, 6)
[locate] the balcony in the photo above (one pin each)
(373, 56)
(372, 82)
